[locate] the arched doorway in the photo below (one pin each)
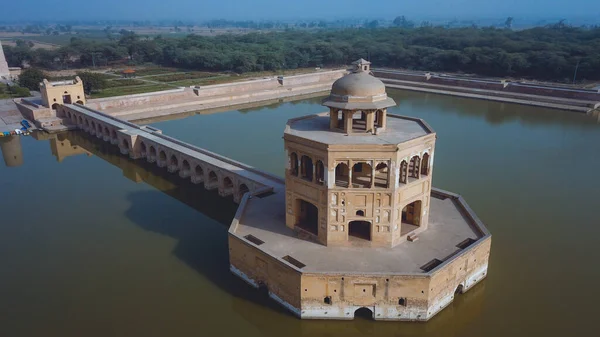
(425, 164)
(364, 313)
(306, 168)
(362, 175)
(307, 216)
(359, 229)
(414, 167)
(403, 172)
(381, 175)
(342, 175)
(320, 172)
(294, 164)
(411, 217)
(79, 102)
(54, 106)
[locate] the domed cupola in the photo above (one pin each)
(360, 93)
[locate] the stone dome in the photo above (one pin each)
(358, 90)
(358, 84)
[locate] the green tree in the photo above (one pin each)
(31, 78)
(92, 81)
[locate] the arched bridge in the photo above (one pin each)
(230, 177)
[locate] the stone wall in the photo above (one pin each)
(138, 99)
(259, 269)
(491, 84)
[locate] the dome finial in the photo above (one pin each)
(361, 65)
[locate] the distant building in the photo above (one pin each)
(62, 92)
(4, 71)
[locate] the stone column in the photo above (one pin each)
(333, 118)
(348, 121)
(373, 174)
(383, 118)
(350, 169)
(370, 122)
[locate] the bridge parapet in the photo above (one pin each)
(229, 177)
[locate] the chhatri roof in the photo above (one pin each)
(359, 90)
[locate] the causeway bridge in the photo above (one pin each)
(229, 177)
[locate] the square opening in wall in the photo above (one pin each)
(465, 243)
(429, 266)
(254, 239)
(293, 261)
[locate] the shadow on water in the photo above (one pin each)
(200, 245)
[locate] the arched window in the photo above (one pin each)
(413, 167)
(403, 172)
(294, 164)
(306, 168)
(381, 175)
(320, 172)
(425, 164)
(362, 175)
(360, 213)
(342, 175)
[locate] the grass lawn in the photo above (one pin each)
(203, 81)
(124, 83)
(154, 71)
(182, 76)
(120, 91)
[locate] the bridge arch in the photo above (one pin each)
(125, 143)
(185, 165)
(152, 151)
(162, 156)
(174, 160)
(143, 149)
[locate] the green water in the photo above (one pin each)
(101, 245)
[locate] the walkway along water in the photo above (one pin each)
(228, 176)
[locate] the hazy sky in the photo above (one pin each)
(286, 9)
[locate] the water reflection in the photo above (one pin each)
(12, 152)
(206, 251)
(495, 113)
(209, 203)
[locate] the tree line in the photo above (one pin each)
(546, 53)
